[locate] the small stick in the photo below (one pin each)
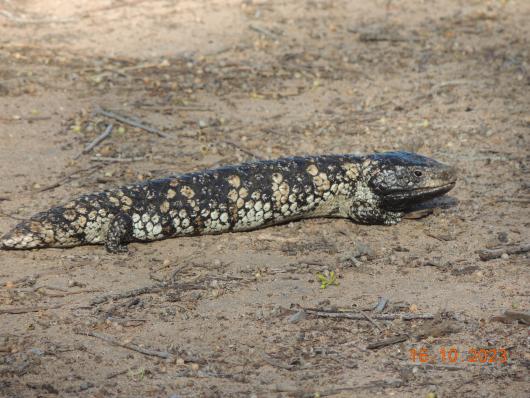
(514, 200)
(292, 391)
(11, 216)
(69, 177)
(127, 321)
(490, 254)
(115, 374)
(371, 321)
(24, 310)
(510, 316)
(360, 317)
(381, 304)
(20, 20)
(190, 108)
(99, 139)
(276, 363)
(263, 31)
(131, 122)
(432, 366)
(520, 316)
(130, 293)
(379, 36)
(392, 340)
(25, 119)
(68, 293)
(233, 144)
(129, 346)
(205, 374)
(115, 160)
(159, 287)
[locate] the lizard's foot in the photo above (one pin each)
(392, 217)
(115, 249)
(375, 215)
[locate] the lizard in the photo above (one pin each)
(370, 189)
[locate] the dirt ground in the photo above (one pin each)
(229, 81)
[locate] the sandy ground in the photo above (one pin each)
(229, 81)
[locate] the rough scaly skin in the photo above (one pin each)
(370, 189)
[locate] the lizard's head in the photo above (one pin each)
(402, 179)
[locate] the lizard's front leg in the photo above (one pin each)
(373, 214)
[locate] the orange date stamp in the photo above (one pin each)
(456, 355)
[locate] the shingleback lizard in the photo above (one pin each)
(373, 189)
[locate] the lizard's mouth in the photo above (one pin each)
(403, 198)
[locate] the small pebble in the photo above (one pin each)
(505, 256)
(502, 237)
(85, 386)
(276, 310)
(36, 351)
(297, 317)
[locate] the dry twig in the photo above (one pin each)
(115, 160)
(239, 147)
(511, 316)
(129, 293)
(371, 321)
(386, 342)
(159, 287)
(24, 310)
(98, 139)
(25, 20)
(263, 31)
(131, 122)
(275, 362)
(69, 177)
(129, 346)
(490, 254)
(359, 317)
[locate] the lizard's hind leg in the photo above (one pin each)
(119, 234)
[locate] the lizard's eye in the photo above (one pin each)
(418, 173)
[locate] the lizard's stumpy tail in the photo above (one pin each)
(57, 227)
(27, 235)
